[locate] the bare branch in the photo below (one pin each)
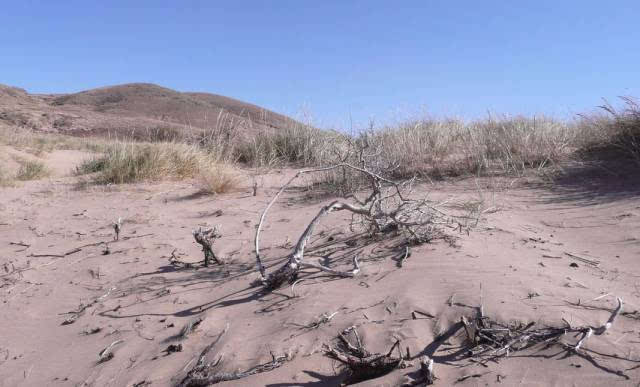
(384, 210)
(602, 329)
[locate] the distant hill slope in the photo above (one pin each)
(129, 108)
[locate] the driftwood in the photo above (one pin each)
(591, 262)
(107, 353)
(361, 364)
(76, 314)
(385, 210)
(489, 340)
(206, 238)
(206, 374)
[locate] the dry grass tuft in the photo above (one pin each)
(614, 135)
(218, 178)
(31, 170)
(426, 148)
(297, 145)
(503, 145)
(5, 179)
(130, 162)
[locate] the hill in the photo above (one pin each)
(131, 109)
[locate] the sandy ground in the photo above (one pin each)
(60, 162)
(52, 262)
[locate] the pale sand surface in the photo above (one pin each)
(148, 300)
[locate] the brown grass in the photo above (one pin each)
(31, 170)
(37, 143)
(218, 178)
(613, 135)
(5, 179)
(130, 162)
(427, 148)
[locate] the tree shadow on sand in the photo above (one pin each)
(593, 182)
(179, 278)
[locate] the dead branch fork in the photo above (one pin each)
(384, 210)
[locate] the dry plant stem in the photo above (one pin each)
(488, 338)
(339, 273)
(206, 238)
(361, 363)
(107, 353)
(266, 210)
(117, 227)
(602, 329)
(290, 270)
(584, 260)
(82, 308)
(404, 256)
(589, 331)
(204, 374)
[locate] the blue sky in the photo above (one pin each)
(336, 59)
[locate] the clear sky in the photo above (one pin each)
(336, 59)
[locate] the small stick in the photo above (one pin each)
(481, 308)
(19, 244)
(602, 296)
(405, 256)
(117, 227)
(585, 260)
(428, 315)
(206, 238)
(602, 329)
(106, 354)
(584, 338)
(293, 291)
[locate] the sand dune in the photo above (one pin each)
(69, 290)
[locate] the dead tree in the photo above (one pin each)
(385, 209)
(206, 238)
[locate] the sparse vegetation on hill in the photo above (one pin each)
(427, 148)
(131, 111)
(37, 143)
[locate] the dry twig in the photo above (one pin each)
(206, 238)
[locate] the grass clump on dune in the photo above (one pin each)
(131, 162)
(614, 135)
(128, 162)
(297, 145)
(503, 145)
(32, 170)
(217, 178)
(5, 179)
